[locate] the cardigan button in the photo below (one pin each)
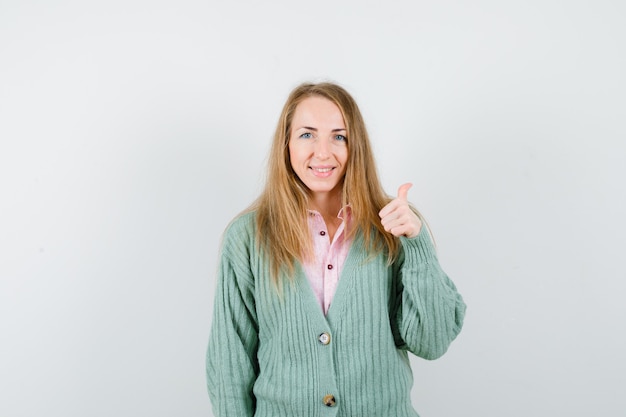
(329, 400)
(329, 266)
(324, 338)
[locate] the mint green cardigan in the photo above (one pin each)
(272, 356)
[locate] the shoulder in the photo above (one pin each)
(242, 223)
(241, 230)
(237, 252)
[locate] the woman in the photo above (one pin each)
(325, 282)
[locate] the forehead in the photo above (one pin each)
(318, 112)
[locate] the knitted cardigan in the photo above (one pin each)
(273, 355)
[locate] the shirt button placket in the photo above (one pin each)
(329, 400)
(328, 380)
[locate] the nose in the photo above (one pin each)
(322, 149)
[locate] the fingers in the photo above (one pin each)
(403, 191)
(389, 208)
(400, 201)
(397, 217)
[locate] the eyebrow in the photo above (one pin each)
(315, 129)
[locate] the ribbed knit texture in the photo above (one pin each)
(264, 358)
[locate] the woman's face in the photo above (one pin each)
(317, 145)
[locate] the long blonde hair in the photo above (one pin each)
(281, 209)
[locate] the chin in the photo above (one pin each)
(323, 189)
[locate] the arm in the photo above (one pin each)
(429, 310)
(231, 361)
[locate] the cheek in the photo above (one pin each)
(291, 152)
(298, 152)
(344, 156)
(345, 163)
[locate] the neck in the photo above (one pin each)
(327, 204)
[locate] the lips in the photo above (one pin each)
(324, 171)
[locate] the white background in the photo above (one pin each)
(132, 131)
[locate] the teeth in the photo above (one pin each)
(323, 169)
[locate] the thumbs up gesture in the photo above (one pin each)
(397, 217)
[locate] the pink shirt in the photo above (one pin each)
(324, 270)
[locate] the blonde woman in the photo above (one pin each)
(325, 282)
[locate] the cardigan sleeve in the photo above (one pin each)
(429, 309)
(231, 360)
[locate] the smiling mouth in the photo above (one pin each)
(322, 170)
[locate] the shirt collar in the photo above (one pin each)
(344, 212)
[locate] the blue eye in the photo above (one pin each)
(306, 135)
(341, 138)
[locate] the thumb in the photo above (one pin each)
(403, 191)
